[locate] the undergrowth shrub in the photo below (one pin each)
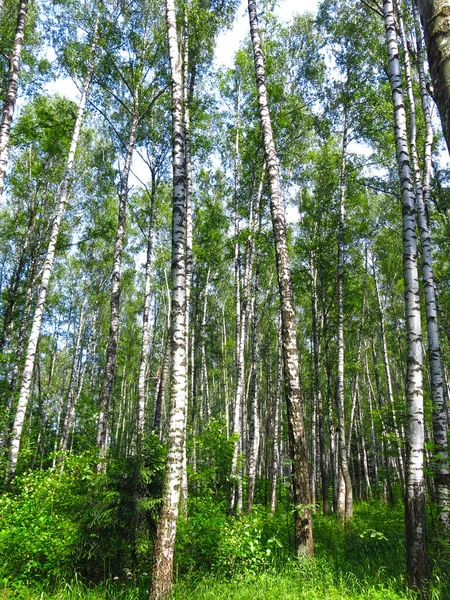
(56, 523)
(212, 541)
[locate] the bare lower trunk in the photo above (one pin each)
(387, 370)
(162, 571)
(297, 437)
(47, 268)
(317, 385)
(416, 552)
(373, 440)
(11, 93)
(146, 319)
(276, 426)
(347, 511)
(161, 388)
(254, 416)
(63, 443)
(434, 350)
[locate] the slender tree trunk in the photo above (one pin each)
(162, 572)
(434, 350)
(69, 420)
(254, 416)
(236, 494)
(113, 337)
(146, 318)
(347, 512)
(11, 92)
(373, 440)
(436, 23)
(187, 98)
(416, 552)
(365, 460)
(161, 388)
(387, 370)
(276, 425)
(27, 374)
(63, 442)
(303, 526)
(317, 385)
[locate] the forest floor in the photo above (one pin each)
(361, 560)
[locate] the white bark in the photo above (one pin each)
(27, 374)
(146, 320)
(415, 483)
(345, 511)
(276, 425)
(236, 474)
(433, 346)
(11, 94)
(297, 437)
(167, 525)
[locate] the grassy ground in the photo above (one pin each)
(363, 560)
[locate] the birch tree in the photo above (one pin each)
(27, 374)
(162, 570)
(11, 94)
(297, 438)
(415, 484)
(436, 24)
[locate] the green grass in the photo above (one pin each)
(361, 560)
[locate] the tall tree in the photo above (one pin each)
(162, 571)
(416, 549)
(27, 375)
(297, 437)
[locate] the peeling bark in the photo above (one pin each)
(416, 552)
(297, 438)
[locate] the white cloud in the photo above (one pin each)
(65, 87)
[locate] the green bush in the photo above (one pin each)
(40, 520)
(58, 522)
(211, 540)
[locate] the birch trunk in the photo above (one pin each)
(27, 375)
(187, 93)
(276, 426)
(11, 92)
(433, 346)
(346, 511)
(63, 442)
(69, 421)
(387, 370)
(162, 572)
(303, 526)
(146, 319)
(111, 348)
(236, 497)
(161, 388)
(373, 440)
(317, 385)
(254, 416)
(416, 553)
(436, 23)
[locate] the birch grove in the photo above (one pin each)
(224, 299)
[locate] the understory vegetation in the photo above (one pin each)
(70, 532)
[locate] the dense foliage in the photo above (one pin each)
(88, 317)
